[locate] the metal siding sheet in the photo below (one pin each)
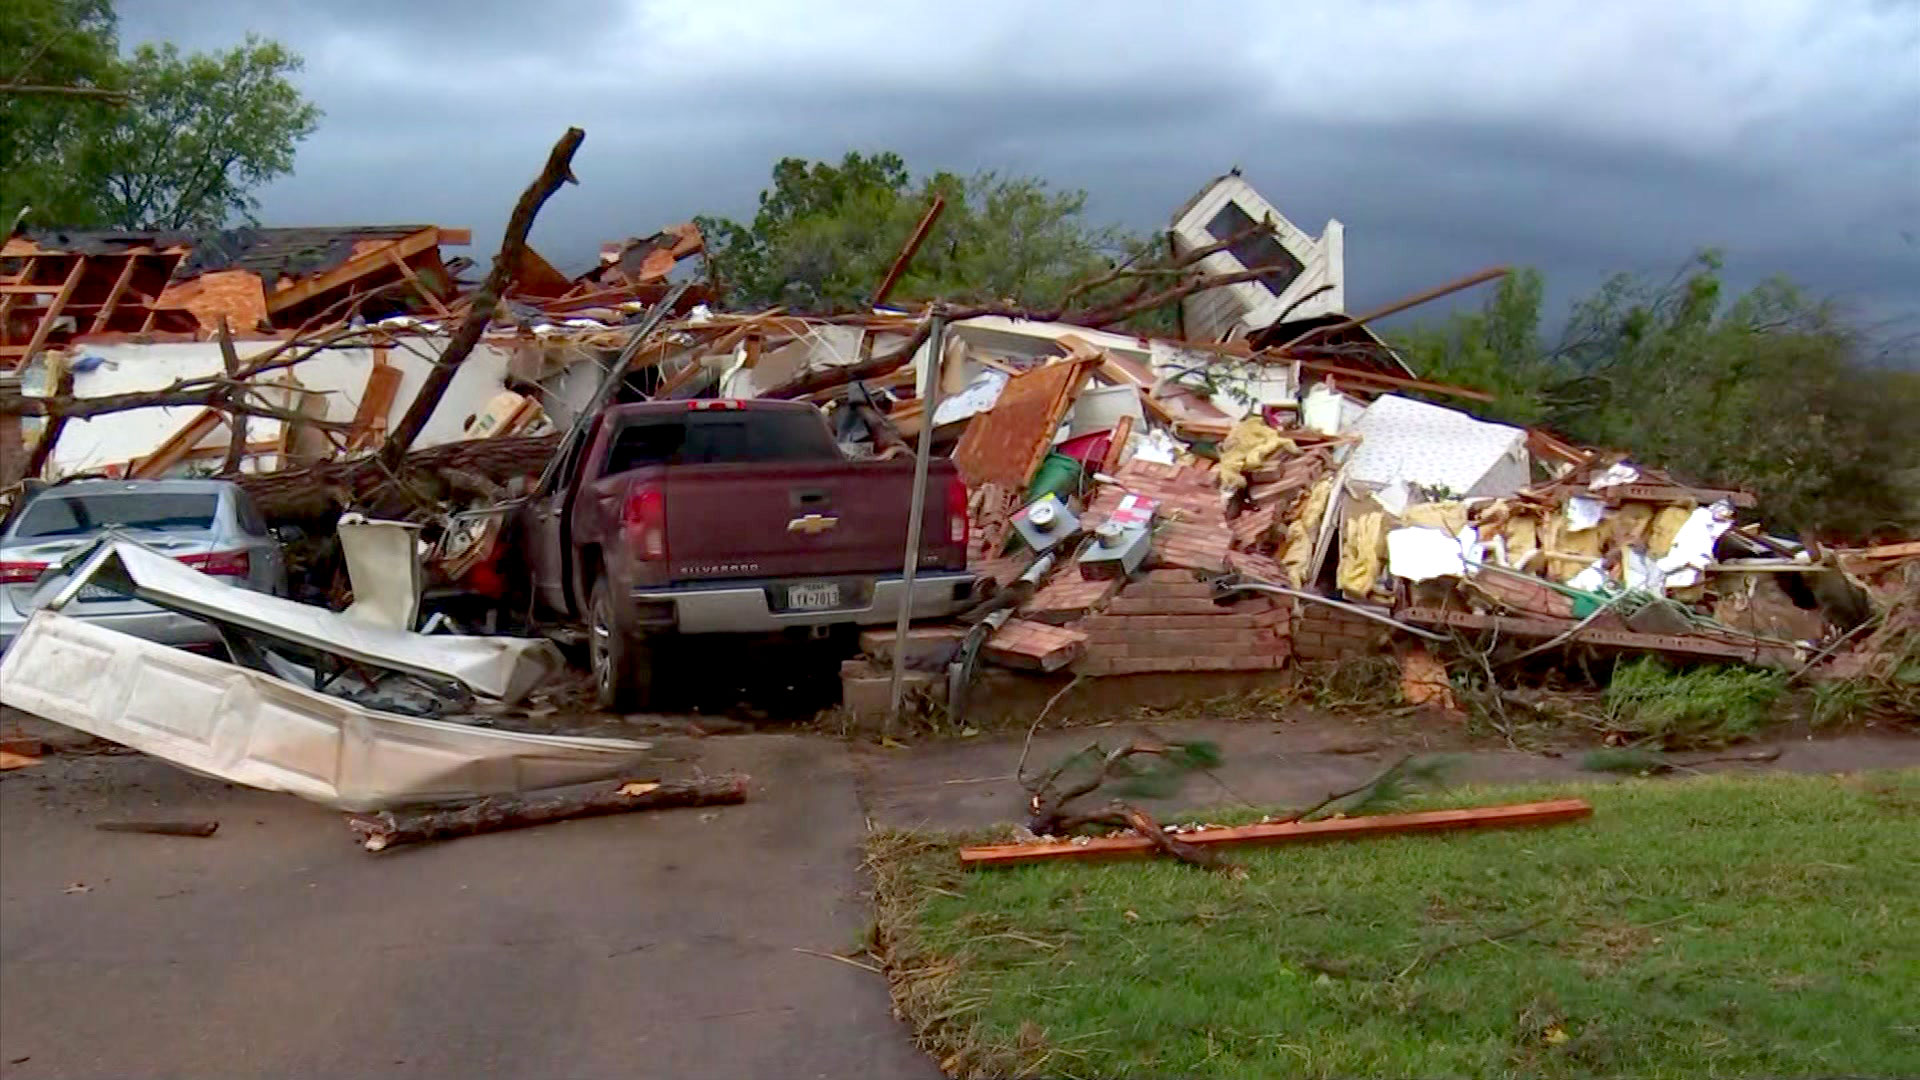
(250, 728)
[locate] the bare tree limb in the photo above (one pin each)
(558, 171)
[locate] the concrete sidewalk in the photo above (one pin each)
(650, 945)
(970, 784)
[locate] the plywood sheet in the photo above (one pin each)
(1005, 445)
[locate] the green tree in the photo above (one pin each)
(1771, 391)
(203, 132)
(67, 44)
(191, 140)
(825, 234)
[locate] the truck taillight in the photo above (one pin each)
(956, 511)
(644, 519)
(220, 563)
(21, 573)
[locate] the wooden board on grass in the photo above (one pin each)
(1292, 832)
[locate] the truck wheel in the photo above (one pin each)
(622, 662)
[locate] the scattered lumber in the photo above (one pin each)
(377, 832)
(1110, 847)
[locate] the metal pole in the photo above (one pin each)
(930, 398)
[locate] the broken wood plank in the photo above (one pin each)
(376, 400)
(1883, 551)
(419, 286)
(377, 832)
(177, 446)
(1327, 367)
(1005, 444)
(900, 261)
(1117, 440)
(161, 828)
(1694, 644)
(1292, 832)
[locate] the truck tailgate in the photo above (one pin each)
(793, 520)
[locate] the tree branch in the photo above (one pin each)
(557, 171)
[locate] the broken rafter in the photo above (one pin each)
(1398, 306)
(918, 237)
(54, 309)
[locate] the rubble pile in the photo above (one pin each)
(1265, 489)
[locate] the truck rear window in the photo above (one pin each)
(720, 438)
(77, 515)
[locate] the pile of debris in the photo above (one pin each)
(1273, 484)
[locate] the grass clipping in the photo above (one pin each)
(1769, 937)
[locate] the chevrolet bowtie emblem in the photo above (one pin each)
(812, 524)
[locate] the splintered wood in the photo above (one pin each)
(1005, 445)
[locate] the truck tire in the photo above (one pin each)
(622, 662)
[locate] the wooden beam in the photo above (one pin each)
(113, 298)
(912, 248)
(6, 299)
(376, 400)
(455, 237)
(1757, 652)
(419, 286)
(1399, 382)
(177, 446)
(53, 310)
(352, 270)
(1291, 832)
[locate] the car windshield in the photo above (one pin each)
(721, 438)
(77, 515)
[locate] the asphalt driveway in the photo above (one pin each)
(648, 945)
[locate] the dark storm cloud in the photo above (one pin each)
(1446, 134)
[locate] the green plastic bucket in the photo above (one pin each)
(1057, 475)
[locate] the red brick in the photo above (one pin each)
(1133, 665)
(1025, 644)
(1126, 605)
(1179, 590)
(1067, 597)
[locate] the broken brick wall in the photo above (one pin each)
(1167, 621)
(1322, 632)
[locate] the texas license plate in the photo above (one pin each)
(814, 596)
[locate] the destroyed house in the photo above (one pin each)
(58, 285)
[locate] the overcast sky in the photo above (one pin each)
(1582, 138)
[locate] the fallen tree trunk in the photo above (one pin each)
(377, 832)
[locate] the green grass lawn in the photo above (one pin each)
(1696, 928)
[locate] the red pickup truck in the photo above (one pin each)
(712, 517)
